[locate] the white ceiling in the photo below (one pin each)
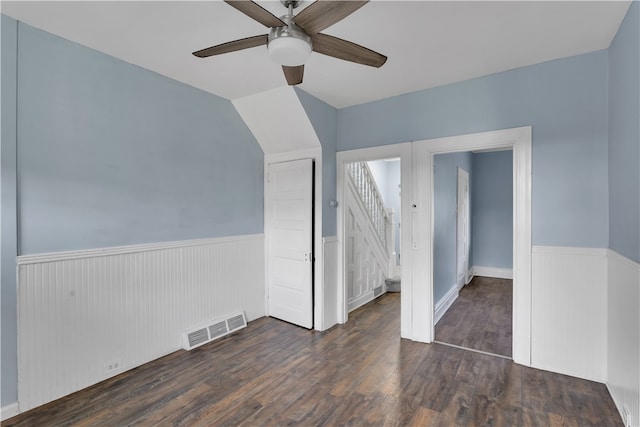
(428, 43)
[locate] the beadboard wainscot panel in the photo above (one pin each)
(330, 259)
(623, 346)
(81, 312)
(569, 314)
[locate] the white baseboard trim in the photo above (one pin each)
(568, 372)
(360, 301)
(445, 303)
(497, 273)
(9, 411)
(617, 403)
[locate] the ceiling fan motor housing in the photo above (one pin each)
(289, 45)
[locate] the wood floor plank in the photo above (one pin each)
(481, 317)
(424, 417)
(361, 373)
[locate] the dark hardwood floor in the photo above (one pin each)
(361, 373)
(481, 318)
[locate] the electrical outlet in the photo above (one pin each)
(112, 366)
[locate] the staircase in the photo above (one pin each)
(369, 239)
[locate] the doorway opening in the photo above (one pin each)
(519, 141)
(417, 299)
(473, 250)
(398, 158)
(372, 207)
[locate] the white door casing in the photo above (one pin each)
(290, 244)
(417, 227)
(518, 140)
(462, 229)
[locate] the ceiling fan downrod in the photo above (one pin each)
(290, 5)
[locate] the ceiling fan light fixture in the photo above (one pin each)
(289, 46)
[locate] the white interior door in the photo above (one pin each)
(463, 235)
(290, 208)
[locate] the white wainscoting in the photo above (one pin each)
(569, 314)
(330, 259)
(80, 311)
(623, 346)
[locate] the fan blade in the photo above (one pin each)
(227, 47)
(322, 14)
(257, 12)
(343, 49)
(293, 74)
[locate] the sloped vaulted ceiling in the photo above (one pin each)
(429, 43)
(278, 121)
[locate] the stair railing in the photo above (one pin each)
(369, 193)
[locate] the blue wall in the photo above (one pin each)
(323, 118)
(445, 187)
(492, 210)
(565, 101)
(624, 137)
(111, 154)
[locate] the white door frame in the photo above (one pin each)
(318, 294)
(403, 151)
(463, 175)
(417, 317)
(518, 140)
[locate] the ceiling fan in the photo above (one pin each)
(292, 38)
